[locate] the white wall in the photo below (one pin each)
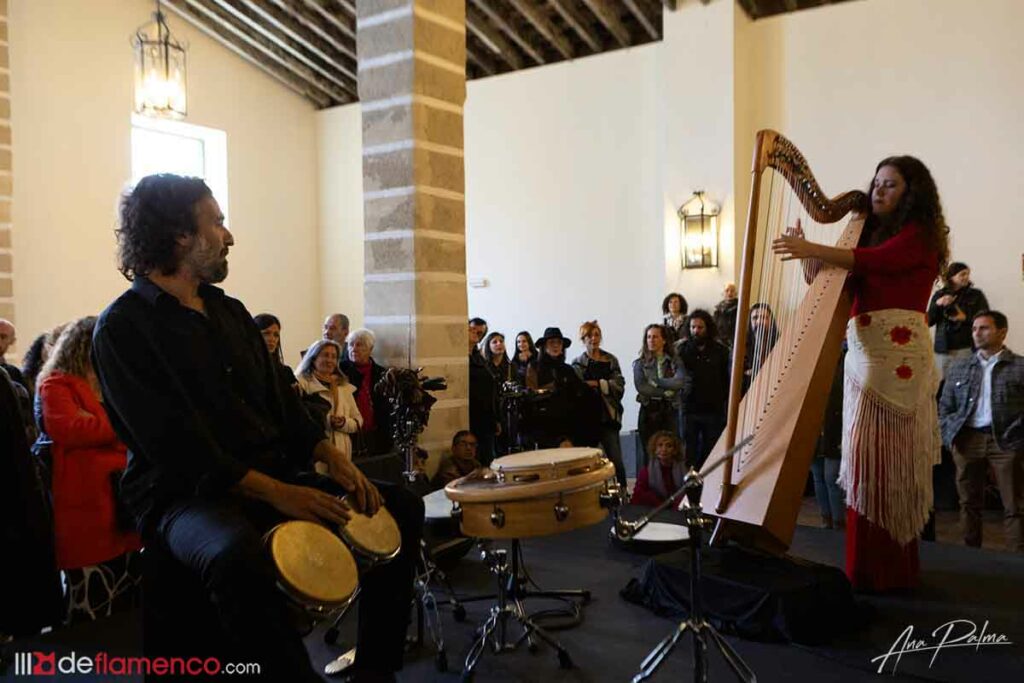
(696, 120)
(562, 199)
(938, 79)
(71, 86)
(340, 163)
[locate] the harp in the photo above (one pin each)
(756, 494)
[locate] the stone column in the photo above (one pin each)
(412, 85)
(6, 255)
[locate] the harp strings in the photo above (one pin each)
(776, 292)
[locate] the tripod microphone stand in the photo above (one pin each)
(700, 629)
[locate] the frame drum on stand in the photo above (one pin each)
(534, 493)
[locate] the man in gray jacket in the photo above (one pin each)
(981, 412)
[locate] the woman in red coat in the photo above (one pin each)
(890, 427)
(94, 552)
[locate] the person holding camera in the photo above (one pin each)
(951, 311)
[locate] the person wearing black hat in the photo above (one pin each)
(951, 311)
(562, 409)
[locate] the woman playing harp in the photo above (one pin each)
(890, 430)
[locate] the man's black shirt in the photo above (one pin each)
(195, 398)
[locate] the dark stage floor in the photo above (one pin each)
(958, 584)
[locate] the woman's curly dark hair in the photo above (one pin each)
(920, 204)
(683, 306)
(153, 215)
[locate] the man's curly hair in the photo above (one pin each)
(153, 214)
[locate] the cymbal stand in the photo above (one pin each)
(699, 628)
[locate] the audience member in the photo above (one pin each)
(461, 461)
(32, 362)
(663, 475)
(270, 328)
(478, 328)
(561, 408)
(602, 374)
(659, 380)
(524, 357)
(706, 362)
(95, 549)
(829, 451)
(21, 392)
(725, 316)
(336, 329)
(329, 396)
(483, 400)
(497, 360)
(364, 373)
(761, 337)
(7, 340)
(951, 312)
(674, 308)
(981, 412)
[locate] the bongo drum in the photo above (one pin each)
(535, 493)
(373, 539)
(314, 568)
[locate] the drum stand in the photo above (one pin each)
(512, 591)
(696, 624)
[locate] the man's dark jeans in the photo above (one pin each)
(701, 431)
(221, 542)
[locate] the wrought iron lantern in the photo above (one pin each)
(698, 232)
(161, 83)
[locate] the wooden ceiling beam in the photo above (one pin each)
(642, 17)
(270, 51)
(348, 6)
(485, 6)
(495, 42)
(573, 18)
(285, 24)
(480, 60)
(331, 18)
(242, 11)
(544, 27)
(301, 15)
(609, 18)
(250, 55)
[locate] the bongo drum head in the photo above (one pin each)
(312, 563)
(376, 537)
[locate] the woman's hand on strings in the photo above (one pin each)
(793, 245)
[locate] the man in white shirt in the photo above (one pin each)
(982, 416)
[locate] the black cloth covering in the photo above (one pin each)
(752, 595)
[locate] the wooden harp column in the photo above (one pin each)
(756, 494)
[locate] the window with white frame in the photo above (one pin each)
(161, 146)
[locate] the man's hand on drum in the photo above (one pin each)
(366, 496)
(310, 504)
